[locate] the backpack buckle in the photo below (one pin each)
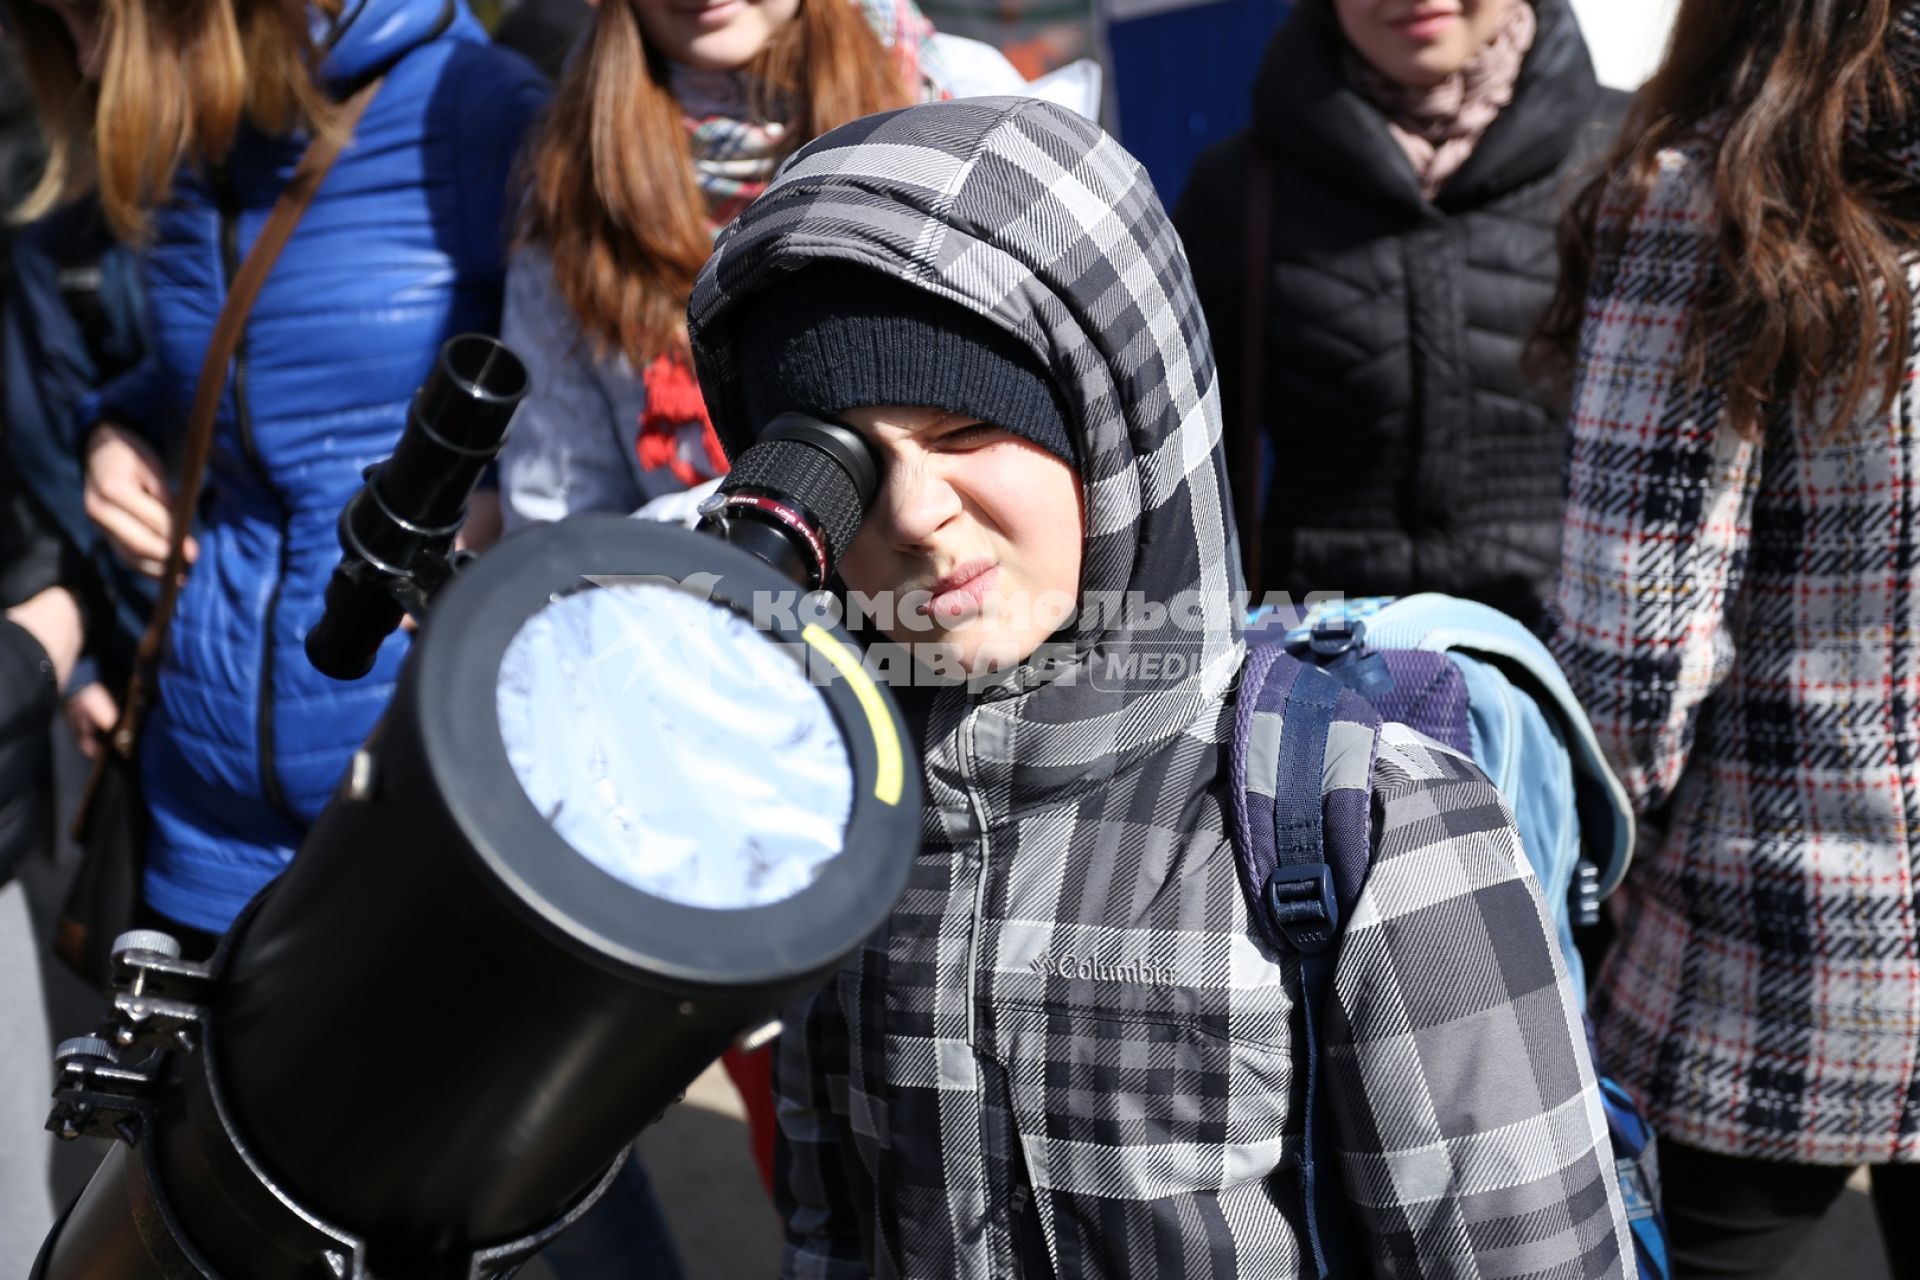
(1337, 644)
(1337, 634)
(1302, 903)
(1583, 895)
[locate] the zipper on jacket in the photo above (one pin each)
(991, 1191)
(1032, 1259)
(243, 420)
(979, 885)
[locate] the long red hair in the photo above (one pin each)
(611, 192)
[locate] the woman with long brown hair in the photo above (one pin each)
(1739, 606)
(671, 118)
(187, 122)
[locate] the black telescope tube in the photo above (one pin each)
(369, 988)
(397, 532)
(441, 1024)
(434, 1035)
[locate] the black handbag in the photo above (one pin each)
(104, 896)
(113, 820)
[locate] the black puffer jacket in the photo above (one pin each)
(1411, 454)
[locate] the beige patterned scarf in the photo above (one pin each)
(1439, 127)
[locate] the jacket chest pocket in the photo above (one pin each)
(1124, 1104)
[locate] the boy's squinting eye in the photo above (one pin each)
(972, 435)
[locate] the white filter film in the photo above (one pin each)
(674, 746)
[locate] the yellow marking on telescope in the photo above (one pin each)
(886, 787)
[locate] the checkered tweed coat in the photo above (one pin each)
(1742, 621)
(1067, 1053)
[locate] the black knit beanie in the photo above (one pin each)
(830, 338)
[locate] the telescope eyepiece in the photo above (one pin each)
(477, 383)
(797, 497)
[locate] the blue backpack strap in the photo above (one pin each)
(1302, 759)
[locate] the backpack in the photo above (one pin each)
(1475, 680)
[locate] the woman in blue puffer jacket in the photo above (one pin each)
(401, 248)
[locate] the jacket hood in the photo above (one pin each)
(1029, 215)
(371, 35)
(1304, 109)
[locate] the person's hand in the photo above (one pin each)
(53, 619)
(90, 714)
(127, 497)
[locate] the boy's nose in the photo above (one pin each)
(917, 502)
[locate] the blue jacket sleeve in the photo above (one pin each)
(498, 94)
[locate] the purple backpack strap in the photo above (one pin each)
(1302, 758)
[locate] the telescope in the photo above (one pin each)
(616, 814)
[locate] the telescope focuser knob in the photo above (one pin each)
(161, 944)
(94, 1096)
(83, 1047)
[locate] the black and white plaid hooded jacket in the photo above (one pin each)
(1067, 1053)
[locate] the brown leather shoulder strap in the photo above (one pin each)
(242, 291)
(1250, 430)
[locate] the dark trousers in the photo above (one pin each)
(1728, 1216)
(624, 1235)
